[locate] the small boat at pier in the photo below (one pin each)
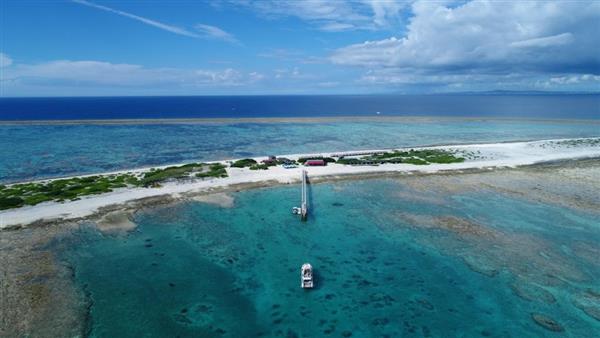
(306, 276)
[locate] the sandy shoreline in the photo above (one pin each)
(489, 156)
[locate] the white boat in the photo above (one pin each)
(306, 276)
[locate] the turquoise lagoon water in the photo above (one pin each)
(384, 266)
(41, 151)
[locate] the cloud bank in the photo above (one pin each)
(106, 75)
(478, 39)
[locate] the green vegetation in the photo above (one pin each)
(155, 176)
(326, 159)
(351, 161)
(415, 161)
(417, 157)
(247, 162)
(18, 195)
(10, 202)
(215, 170)
(259, 167)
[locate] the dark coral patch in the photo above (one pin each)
(547, 322)
(425, 304)
(380, 321)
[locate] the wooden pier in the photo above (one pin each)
(304, 205)
(302, 210)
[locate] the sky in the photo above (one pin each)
(269, 47)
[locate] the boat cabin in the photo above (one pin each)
(306, 276)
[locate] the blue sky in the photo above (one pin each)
(101, 47)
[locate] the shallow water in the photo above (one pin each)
(468, 263)
(41, 151)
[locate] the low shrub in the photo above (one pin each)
(259, 167)
(215, 170)
(246, 162)
(10, 202)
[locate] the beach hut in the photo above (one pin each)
(315, 163)
(271, 160)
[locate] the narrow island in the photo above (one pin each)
(83, 196)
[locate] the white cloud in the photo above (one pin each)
(482, 31)
(370, 53)
(336, 27)
(282, 54)
(399, 77)
(432, 82)
(5, 60)
(255, 76)
(384, 11)
(213, 32)
(576, 82)
(574, 79)
(105, 74)
(483, 37)
(328, 84)
(202, 30)
(546, 41)
(292, 55)
(332, 16)
(292, 74)
(160, 25)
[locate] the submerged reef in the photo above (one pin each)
(588, 301)
(38, 296)
(496, 253)
(547, 322)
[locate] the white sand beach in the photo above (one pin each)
(488, 156)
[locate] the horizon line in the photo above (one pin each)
(486, 92)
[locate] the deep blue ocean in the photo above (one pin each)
(577, 106)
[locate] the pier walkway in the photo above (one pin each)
(304, 205)
(303, 209)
